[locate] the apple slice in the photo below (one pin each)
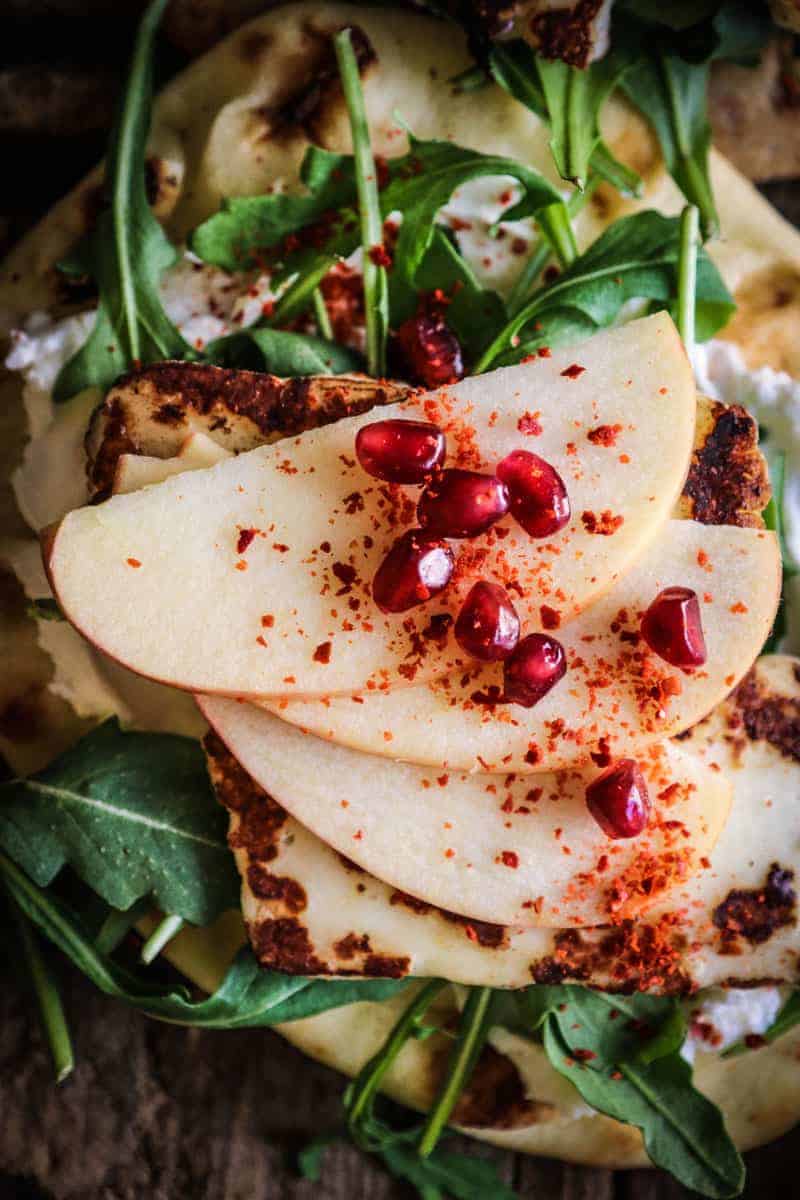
(505, 849)
(616, 697)
(310, 910)
(292, 614)
(135, 471)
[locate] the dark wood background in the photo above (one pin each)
(155, 1112)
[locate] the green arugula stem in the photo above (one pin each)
(557, 228)
(51, 1009)
(163, 933)
(117, 925)
(376, 293)
(533, 268)
(473, 1028)
(687, 274)
(300, 293)
(321, 316)
(361, 1093)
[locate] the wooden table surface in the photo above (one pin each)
(156, 1112)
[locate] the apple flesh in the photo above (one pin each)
(617, 696)
(505, 849)
(155, 578)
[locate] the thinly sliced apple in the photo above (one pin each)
(490, 847)
(135, 471)
(616, 696)
(156, 579)
(310, 910)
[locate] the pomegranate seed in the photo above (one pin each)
(538, 499)
(673, 628)
(430, 350)
(618, 800)
(488, 625)
(400, 451)
(462, 504)
(537, 664)
(416, 568)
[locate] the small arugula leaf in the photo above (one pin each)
(247, 997)
(134, 815)
(635, 258)
(282, 353)
(48, 997)
(775, 519)
(128, 251)
(45, 609)
(570, 100)
(245, 227)
(787, 1019)
(432, 172)
(475, 314)
(683, 1131)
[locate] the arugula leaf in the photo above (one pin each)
(672, 94)
(635, 258)
(45, 609)
(570, 100)
(261, 348)
(787, 1019)
(48, 997)
(473, 1029)
(622, 1053)
(444, 1173)
(134, 815)
(128, 251)
(247, 997)
(683, 1131)
(475, 314)
(774, 519)
(419, 184)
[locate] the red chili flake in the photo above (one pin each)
(381, 257)
(604, 524)
(519, 246)
(261, 641)
(509, 859)
(346, 574)
(604, 435)
(133, 562)
(280, 547)
(442, 780)
(268, 308)
(572, 371)
(322, 654)
(267, 620)
(550, 617)
(602, 756)
(449, 853)
(241, 565)
(583, 1055)
(544, 352)
(529, 425)
(533, 754)
(246, 536)
(738, 607)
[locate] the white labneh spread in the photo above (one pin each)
(206, 303)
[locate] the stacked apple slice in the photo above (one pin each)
(252, 580)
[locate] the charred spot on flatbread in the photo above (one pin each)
(568, 33)
(151, 411)
(259, 817)
(315, 87)
(759, 714)
(728, 482)
(283, 944)
(753, 915)
(495, 1097)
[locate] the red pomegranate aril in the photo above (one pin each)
(487, 626)
(536, 666)
(619, 801)
(416, 568)
(673, 628)
(430, 350)
(400, 451)
(462, 504)
(538, 498)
